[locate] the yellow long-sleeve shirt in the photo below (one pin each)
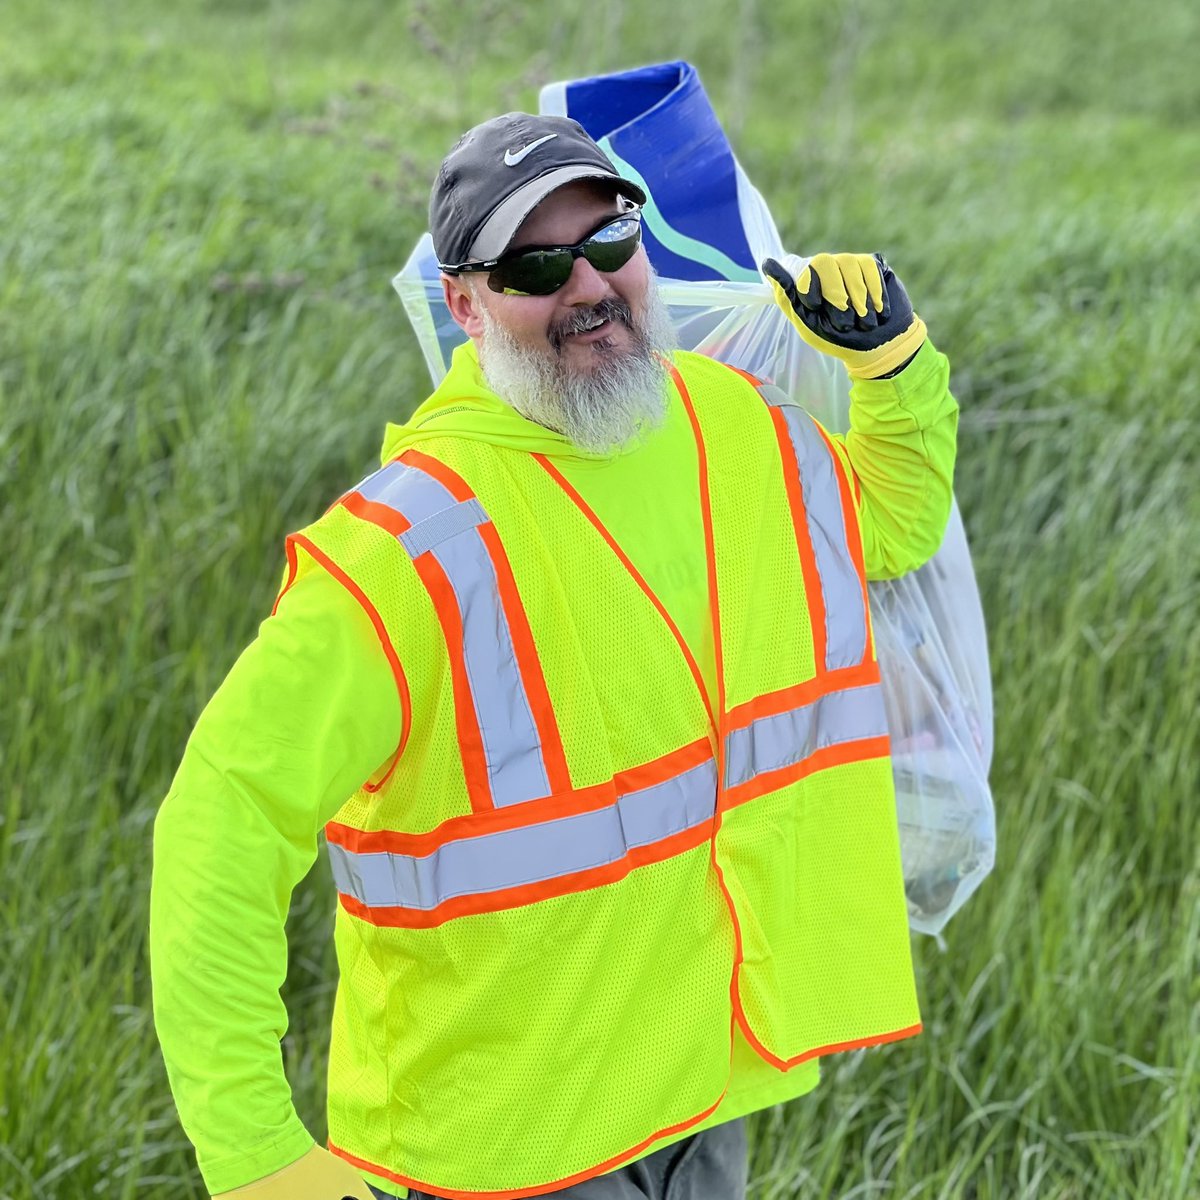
(310, 710)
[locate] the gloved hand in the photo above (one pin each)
(851, 306)
(319, 1175)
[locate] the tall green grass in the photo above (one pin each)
(200, 208)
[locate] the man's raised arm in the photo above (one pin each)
(903, 420)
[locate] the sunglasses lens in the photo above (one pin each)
(614, 245)
(535, 273)
(542, 272)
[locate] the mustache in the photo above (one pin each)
(578, 319)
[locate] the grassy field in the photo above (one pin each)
(200, 209)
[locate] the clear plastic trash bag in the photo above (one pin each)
(708, 226)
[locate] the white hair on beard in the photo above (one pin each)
(619, 402)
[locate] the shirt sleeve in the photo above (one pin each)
(309, 711)
(900, 451)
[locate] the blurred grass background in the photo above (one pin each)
(200, 209)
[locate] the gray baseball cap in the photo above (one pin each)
(499, 171)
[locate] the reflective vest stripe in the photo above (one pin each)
(580, 839)
(853, 532)
(415, 498)
(531, 893)
(492, 862)
(414, 880)
(831, 532)
(450, 522)
(804, 548)
(636, 779)
(441, 525)
(535, 693)
(787, 738)
(821, 760)
(800, 694)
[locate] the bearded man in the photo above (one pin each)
(581, 686)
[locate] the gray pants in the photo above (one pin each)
(706, 1166)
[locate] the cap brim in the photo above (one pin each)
(501, 227)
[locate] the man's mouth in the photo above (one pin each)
(592, 332)
(590, 325)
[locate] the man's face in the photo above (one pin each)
(547, 324)
(602, 384)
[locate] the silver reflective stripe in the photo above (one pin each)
(531, 854)
(448, 530)
(510, 738)
(845, 610)
(790, 737)
(466, 514)
(417, 495)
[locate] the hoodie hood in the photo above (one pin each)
(464, 406)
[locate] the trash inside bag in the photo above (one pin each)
(705, 228)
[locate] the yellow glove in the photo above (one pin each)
(319, 1175)
(851, 306)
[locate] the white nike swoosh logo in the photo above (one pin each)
(511, 159)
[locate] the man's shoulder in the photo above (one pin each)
(691, 361)
(412, 487)
(705, 370)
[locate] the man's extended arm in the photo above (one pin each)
(901, 448)
(903, 419)
(306, 714)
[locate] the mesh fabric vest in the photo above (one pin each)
(550, 915)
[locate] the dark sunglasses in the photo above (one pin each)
(541, 270)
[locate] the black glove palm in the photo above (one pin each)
(850, 306)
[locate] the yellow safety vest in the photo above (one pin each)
(584, 867)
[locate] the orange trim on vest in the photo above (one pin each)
(400, 917)
(394, 523)
(840, 755)
(722, 792)
(823, 759)
(659, 770)
(772, 703)
(449, 479)
(466, 719)
(636, 575)
(519, 816)
(603, 1168)
(853, 533)
(445, 604)
(786, 1064)
(529, 666)
(376, 620)
(387, 518)
(290, 553)
(710, 554)
(813, 592)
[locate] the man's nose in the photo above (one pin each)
(586, 285)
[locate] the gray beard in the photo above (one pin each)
(612, 407)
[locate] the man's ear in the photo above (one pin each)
(463, 305)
